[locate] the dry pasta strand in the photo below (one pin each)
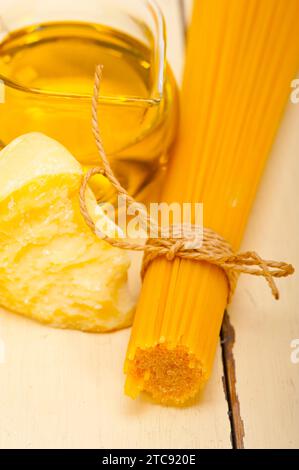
(242, 56)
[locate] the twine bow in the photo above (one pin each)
(213, 249)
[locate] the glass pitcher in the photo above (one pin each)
(48, 54)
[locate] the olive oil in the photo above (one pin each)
(48, 73)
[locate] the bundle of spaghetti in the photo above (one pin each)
(242, 56)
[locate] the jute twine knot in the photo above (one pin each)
(212, 249)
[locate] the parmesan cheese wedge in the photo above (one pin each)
(52, 267)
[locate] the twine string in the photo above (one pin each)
(213, 249)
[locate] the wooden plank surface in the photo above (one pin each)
(267, 380)
(187, 5)
(65, 388)
(262, 380)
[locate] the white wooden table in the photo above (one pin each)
(64, 389)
